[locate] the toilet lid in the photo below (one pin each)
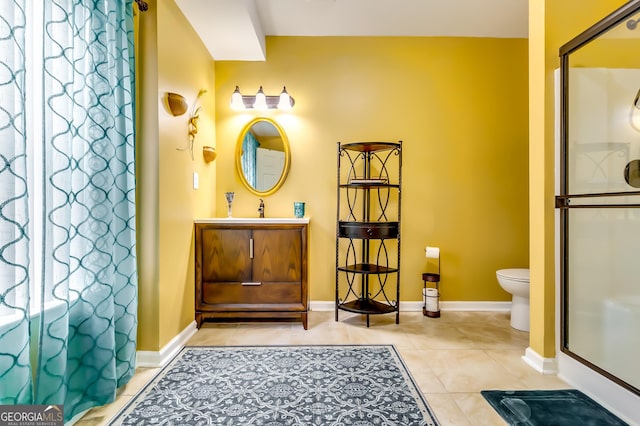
(517, 274)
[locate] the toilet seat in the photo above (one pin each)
(516, 274)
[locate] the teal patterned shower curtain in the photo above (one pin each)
(15, 369)
(68, 280)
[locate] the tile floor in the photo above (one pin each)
(452, 358)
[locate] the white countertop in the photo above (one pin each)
(258, 220)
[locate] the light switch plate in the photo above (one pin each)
(196, 181)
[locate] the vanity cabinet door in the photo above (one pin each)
(226, 255)
(223, 263)
(277, 266)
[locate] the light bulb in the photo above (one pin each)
(285, 100)
(261, 100)
(236, 100)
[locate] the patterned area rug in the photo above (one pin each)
(281, 385)
(567, 407)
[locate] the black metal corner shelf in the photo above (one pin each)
(370, 185)
(367, 306)
(368, 228)
(367, 268)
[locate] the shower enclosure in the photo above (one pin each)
(599, 197)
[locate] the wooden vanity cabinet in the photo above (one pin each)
(251, 270)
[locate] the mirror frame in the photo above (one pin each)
(287, 157)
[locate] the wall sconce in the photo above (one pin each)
(193, 123)
(260, 101)
(177, 104)
(209, 154)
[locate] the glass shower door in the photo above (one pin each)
(600, 201)
(602, 289)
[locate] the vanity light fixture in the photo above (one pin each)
(260, 101)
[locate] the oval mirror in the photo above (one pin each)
(262, 156)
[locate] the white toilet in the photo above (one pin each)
(516, 282)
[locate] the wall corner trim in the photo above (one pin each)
(540, 364)
(164, 355)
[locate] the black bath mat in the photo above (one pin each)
(567, 407)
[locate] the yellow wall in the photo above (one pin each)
(459, 105)
(552, 23)
(184, 66)
(147, 180)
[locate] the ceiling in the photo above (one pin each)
(236, 29)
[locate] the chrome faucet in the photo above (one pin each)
(261, 208)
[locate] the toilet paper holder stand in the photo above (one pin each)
(431, 295)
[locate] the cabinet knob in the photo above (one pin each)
(370, 231)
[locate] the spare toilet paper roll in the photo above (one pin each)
(433, 252)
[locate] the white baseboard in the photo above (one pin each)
(322, 305)
(165, 354)
(416, 306)
(539, 363)
(412, 306)
(482, 306)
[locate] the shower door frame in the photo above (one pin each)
(562, 201)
